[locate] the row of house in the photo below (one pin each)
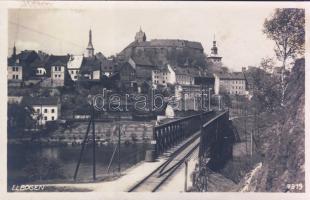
(58, 70)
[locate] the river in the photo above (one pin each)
(30, 163)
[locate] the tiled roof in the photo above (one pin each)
(186, 71)
(90, 64)
(32, 101)
(231, 76)
(167, 43)
(142, 60)
(75, 62)
(59, 59)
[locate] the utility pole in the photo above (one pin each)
(251, 143)
(219, 102)
(186, 168)
(119, 148)
(94, 143)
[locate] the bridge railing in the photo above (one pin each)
(169, 134)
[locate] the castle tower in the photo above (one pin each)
(90, 49)
(140, 36)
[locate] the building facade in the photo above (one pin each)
(74, 65)
(230, 83)
(58, 74)
(163, 75)
(44, 109)
(15, 71)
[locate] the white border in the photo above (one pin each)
(5, 5)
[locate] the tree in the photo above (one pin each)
(267, 64)
(287, 29)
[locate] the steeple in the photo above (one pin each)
(90, 49)
(14, 51)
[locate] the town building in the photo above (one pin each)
(90, 69)
(163, 75)
(108, 67)
(231, 83)
(214, 56)
(58, 71)
(184, 76)
(45, 109)
(127, 74)
(15, 71)
(74, 65)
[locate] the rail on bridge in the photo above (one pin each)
(216, 142)
(172, 133)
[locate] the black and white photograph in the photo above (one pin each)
(179, 97)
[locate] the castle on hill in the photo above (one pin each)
(168, 49)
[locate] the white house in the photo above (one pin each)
(163, 76)
(40, 71)
(231, 83)
(45, 109)
(58, 74)
(74, 64)
(15, 71)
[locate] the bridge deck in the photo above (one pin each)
(175, 158)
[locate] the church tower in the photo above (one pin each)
(140, 36)
(214, 57)
(90, 49)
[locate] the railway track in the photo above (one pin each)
(153, 181)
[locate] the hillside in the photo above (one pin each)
(282, 141)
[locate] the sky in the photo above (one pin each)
(237, 29)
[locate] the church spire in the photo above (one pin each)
(14, 51)
(90, 49)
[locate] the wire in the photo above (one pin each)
(43, 33)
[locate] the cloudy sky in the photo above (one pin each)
(238, 29)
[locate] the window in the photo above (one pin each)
(53, 118)
(38, 110)
(45, 118)
(16, 76)
(53, 110)
(55, 75)
(13, 76)
(45, 110)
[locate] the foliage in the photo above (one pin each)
(287, 29)
(267, 64)
(267, 90)
(19, 117)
